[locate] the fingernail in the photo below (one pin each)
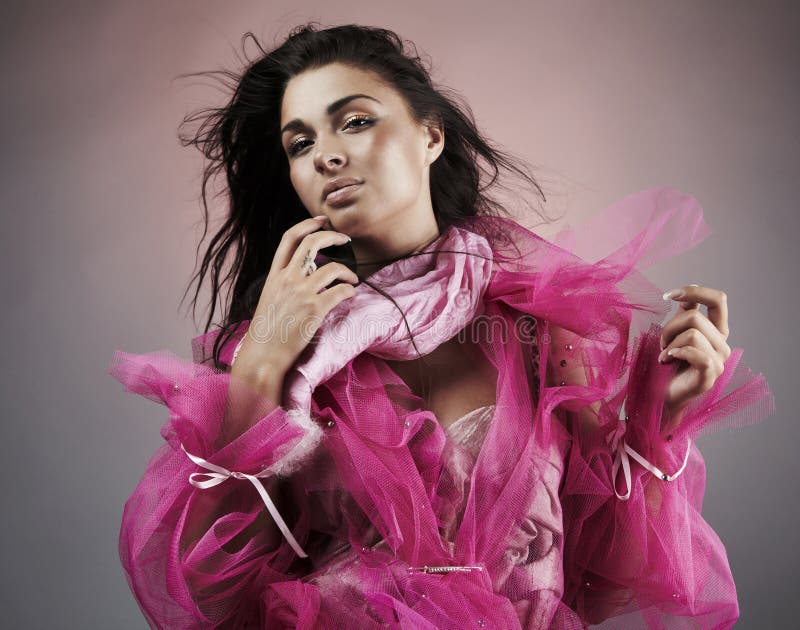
(671, 351)
(674, 293)
(661, 357)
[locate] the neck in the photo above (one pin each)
(373, 252)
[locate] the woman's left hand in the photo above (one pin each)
(698, 341)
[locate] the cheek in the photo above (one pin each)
(397, 161)
(300, 183)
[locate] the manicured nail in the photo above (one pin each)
(674, 293)
(671, 352)
(661, 357)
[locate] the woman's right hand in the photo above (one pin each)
(289, 311)
(292, 304)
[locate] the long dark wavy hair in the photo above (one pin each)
(242, 140)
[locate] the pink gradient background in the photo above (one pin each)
(100, 224)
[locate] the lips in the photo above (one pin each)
(342, 196)
(337, 183)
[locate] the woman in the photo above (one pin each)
(442, 420)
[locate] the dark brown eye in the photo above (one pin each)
(295, 146)
(364, 119)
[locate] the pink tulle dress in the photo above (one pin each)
(566, 503)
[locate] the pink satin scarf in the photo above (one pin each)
(438, 292)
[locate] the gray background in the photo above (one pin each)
(100, 212)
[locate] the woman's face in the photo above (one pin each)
(341, 122)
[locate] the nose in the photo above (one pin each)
(326, 158)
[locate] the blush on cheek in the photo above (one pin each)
(402, 193)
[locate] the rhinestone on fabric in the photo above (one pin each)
(176, 388)
(562, 383)
(563, 363)
(481, 623)
(446, 569)
(408, 423)
(568, 346)
(330, 423)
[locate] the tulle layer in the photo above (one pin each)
(401, 527)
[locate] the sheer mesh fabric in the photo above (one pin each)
(519, 492)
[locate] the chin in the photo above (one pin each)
(351, 221)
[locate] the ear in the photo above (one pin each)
(434, 141)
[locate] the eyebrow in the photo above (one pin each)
(294, 125)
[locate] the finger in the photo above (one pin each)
(716, 303)
(691, 337)
(326, 274)
(694, 319)
(331, 297)
(311, 244)
(705, 364)
(292, 237)
(686, 304)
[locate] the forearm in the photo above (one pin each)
(209, 508)
(671, 419)
(251, 396)
(229, 525)
(177, 527)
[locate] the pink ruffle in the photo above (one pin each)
(378, 497)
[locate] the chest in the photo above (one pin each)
(453, 380)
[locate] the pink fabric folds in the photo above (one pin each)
(511, 521)
(439, 293)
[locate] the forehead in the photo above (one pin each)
(308, 94)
